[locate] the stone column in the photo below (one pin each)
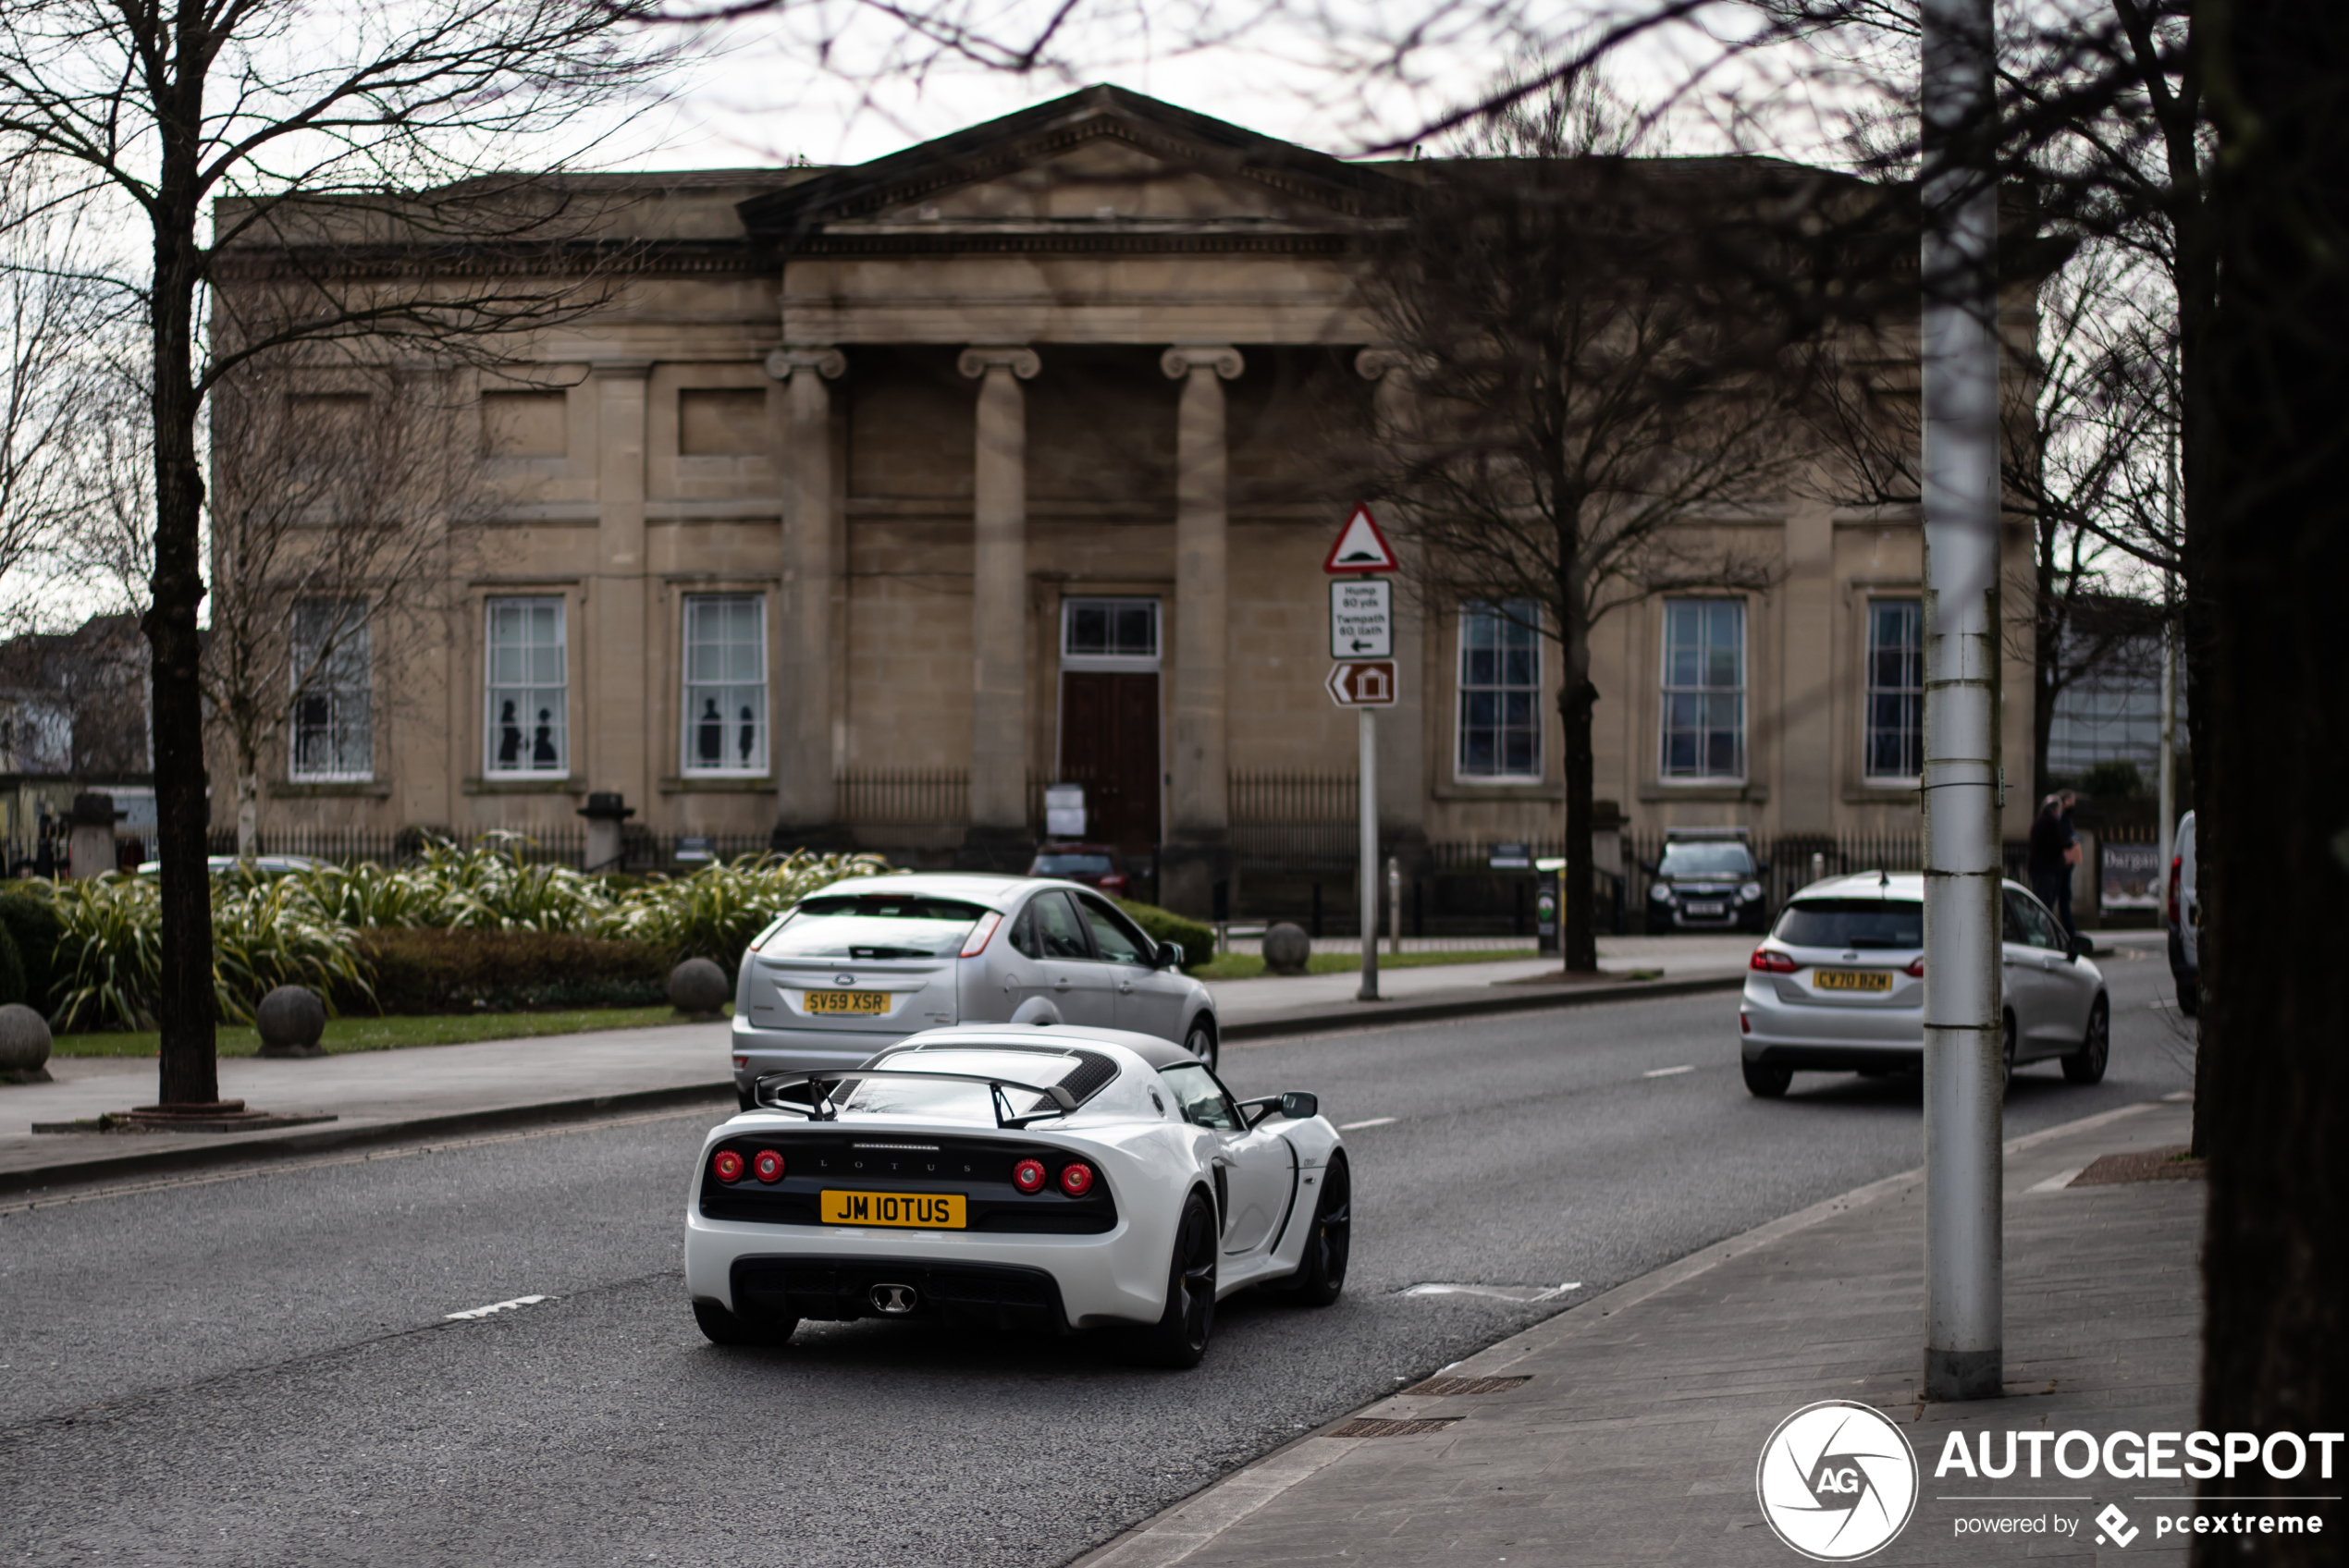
(1423, 687)
(803, 734)
(998, 837)
(611, 746)
(1198, 852)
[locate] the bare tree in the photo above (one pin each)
(1597, 378)
(338, 502)
(320, 137)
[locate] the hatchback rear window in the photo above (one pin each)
(870, 926)
(1853, 923)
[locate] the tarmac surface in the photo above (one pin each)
(257, 1365)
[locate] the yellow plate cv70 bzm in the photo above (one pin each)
(929, 1211)
(1853, 979)
(873, 1002)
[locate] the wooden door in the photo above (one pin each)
(1109, 744)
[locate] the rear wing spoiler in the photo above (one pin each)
(768, 1093)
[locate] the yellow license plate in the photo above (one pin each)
(1853, 979)
(874, 1003)
(930, 1211)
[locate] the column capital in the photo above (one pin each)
(1184, 358)
(824, 359)
(980, 357)
(1374, 363)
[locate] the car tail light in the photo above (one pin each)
(1916, 971)
(1113, 884)
(1746, 1025)
(1076, 1180)
(768, 1165)
(2175, 862)
(1028, 1175)
(1770, 962)
(728, 1166)
(976, 943)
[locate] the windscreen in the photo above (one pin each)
(1853, 923)
(1706, 859)
(873, 925)
(933, 1100)
(1072, 865)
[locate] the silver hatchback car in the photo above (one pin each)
(1838, 986)
(856, 968)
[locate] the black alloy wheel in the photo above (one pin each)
(1179, 1338)
(1200, 1041)
(2190, 997)
(1767, 1083)
(2087, 1064)
(1321, 1277)
(722, 1327)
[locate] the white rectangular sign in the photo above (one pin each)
(1362, 618)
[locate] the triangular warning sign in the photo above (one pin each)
(1360, 547)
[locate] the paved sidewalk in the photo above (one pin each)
(1635, 1435)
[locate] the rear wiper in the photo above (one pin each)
(890, 952)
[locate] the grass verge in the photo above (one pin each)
(1250, 966)
(392, 1033)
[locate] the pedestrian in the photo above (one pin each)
(2050, 872)
(2065, 801)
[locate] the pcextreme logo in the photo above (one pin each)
(1837, 1481)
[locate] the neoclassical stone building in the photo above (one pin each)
(882, 496)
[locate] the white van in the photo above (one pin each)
(2183, 916)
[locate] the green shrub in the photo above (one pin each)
(1196, 940)
(716, 911)
(33, 926)
(419, 970)
(11, 970)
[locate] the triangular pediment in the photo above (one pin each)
(1103, 155)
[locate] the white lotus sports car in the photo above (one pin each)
(1051, 1178)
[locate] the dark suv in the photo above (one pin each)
(1709, 883)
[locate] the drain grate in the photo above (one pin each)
(1469, 1385)
(1368, 1428)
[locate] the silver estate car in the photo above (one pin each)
(1838, 986)
(856, 968)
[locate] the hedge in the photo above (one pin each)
(12, 988)
(1163, 925)
(32, 926)
(421, 970)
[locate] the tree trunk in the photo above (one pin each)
(1577, 936)
(2271, 748)
(248, 808)
(190, 1072)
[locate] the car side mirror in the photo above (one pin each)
(1299, 1106)
(2073, 947)
(1167, 955)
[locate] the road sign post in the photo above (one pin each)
(1362, 642)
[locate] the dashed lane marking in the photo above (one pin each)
(494, 1307)
(1356, 1126)
(1668, 1072)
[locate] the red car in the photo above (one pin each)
(1096, 865)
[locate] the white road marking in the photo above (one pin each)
(1497, 1292)
(494, 1307)
(2056, 1182)
(1355, 1126)
(1666, 1071)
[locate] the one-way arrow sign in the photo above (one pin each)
(1360, 547)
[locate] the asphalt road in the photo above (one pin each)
(257, 1368)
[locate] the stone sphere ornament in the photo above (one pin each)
(291, 1020)
(698, 987)
(24, 1045)
(1287, 950)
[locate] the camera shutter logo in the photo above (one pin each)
(1836, 1480)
